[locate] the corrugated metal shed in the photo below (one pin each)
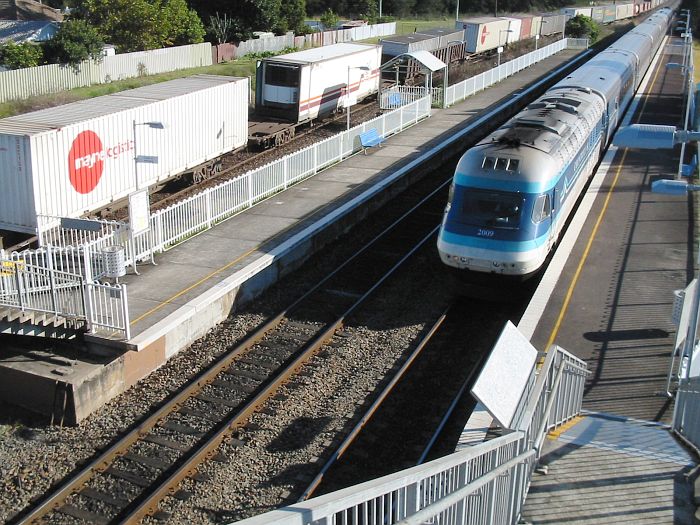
(320, 54)
(19, 31)
(62, 116)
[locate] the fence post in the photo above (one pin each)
(207, 207)
(125, 312)
(52, 278)
(87, 287)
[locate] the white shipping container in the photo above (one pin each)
(74, 159)
(552, 23)
(571, 12)
(313, 83)
(397, 45)
(485, 33)
(513, 32)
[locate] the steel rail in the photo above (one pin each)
(355, 432)
(169, 484)
(104, 460)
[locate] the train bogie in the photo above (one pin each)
(77, 158)
(311, 84)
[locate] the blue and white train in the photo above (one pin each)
(512, 193)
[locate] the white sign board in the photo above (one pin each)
(505, 375)
(139, 212)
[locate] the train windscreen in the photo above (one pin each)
(492, 209)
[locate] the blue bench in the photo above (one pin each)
(370, 138)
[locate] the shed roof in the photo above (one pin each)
(27, 30)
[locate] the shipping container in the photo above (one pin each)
(512, 34)
(484, 33)
(310, 84)
(74, 159)
(536, 25)
(398, 45)
(447, 36)
(571, 12)
(623, 11)
(526, 27)
(552, 23)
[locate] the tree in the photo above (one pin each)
(294, 13)
(221, 28)
(363, 9)
(137, 25)
(582, 26)
(17, 56)
(75, 41)
(329, 19)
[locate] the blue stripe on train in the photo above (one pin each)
(493, 244)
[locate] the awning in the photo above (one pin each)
(426, 58)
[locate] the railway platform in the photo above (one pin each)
(607, 297)
(198, 283)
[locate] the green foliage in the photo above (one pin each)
(17, 56)
(75, 41)
(329, 19)
(294, 13)
(363, 10)
(137, 25)
(582, 26)
(267, 54)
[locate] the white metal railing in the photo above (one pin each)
(458, 92)
(59, 281)
(397, 96)
(686, 388)
(485, 484)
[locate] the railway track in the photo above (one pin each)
(127, 481)
(416, 415)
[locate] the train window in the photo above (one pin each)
(489, 163)
(281, 75)
(542, 208)
(494, 209)
(501, 164)
(513, 165)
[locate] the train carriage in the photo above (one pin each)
(512, 192)
(310, 84)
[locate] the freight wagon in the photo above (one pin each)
(552, 23)
(299, 87)
(486, 33)
(75, 159)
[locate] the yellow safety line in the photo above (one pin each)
(554, 434)
(182, 292)
(574, 281)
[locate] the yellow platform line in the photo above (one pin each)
(584, 257)
(554, 434)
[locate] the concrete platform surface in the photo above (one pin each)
(606, 469)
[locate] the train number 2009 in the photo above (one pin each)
(485, 233)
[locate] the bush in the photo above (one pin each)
(74, 42)
(17, 56)
(582, 26)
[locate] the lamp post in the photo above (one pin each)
(347, 92)
(539, 32)
(688, 73)
(500, 47)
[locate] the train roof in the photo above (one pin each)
(61, 116)
(319, 54)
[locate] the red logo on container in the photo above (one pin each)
(484, 34)
(85, 161)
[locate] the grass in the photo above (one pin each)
(237, 68)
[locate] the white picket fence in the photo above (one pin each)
(53, 78)
(458, 92)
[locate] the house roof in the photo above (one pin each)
(27, 31)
